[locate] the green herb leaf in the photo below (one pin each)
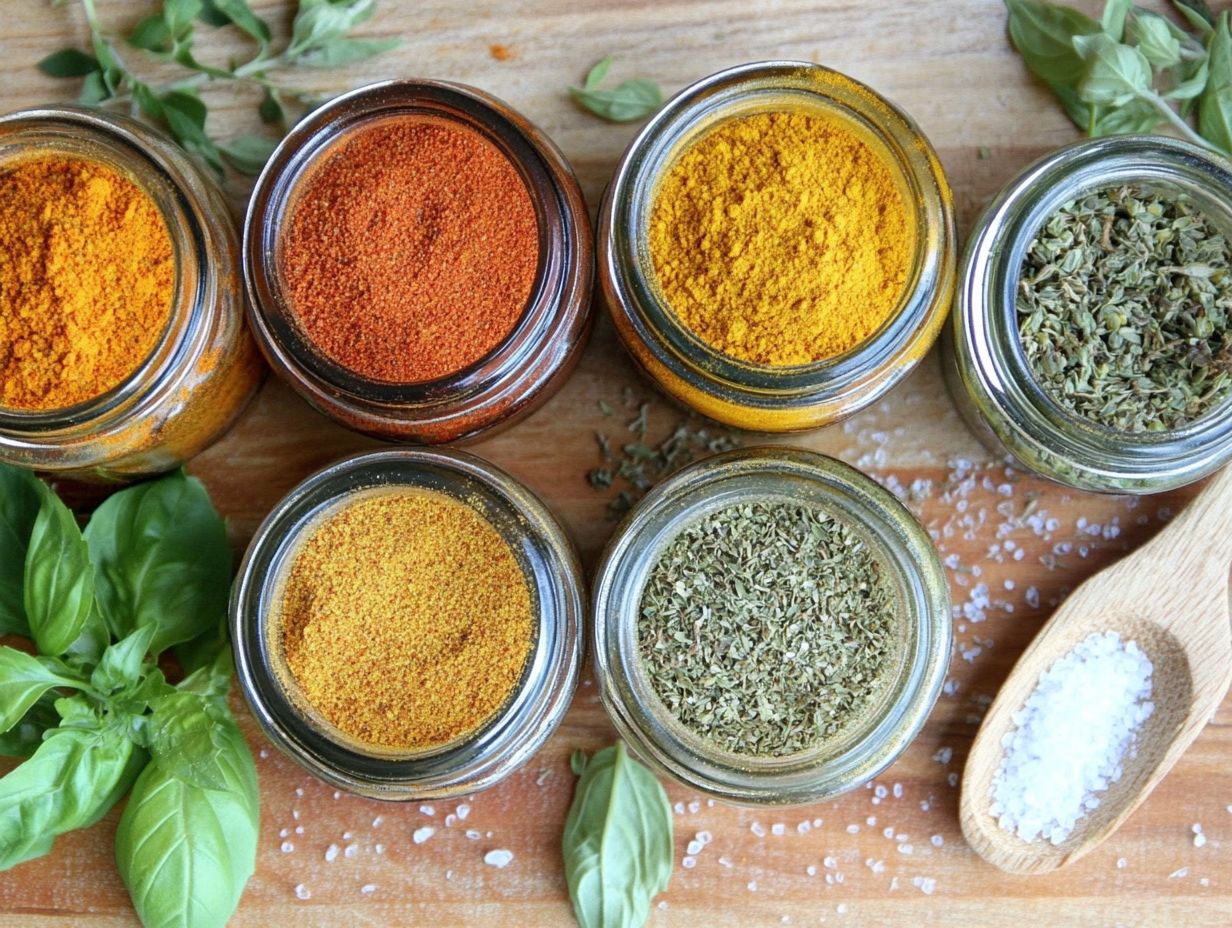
(68, 62)
(58, 589)
(152, 35)
(271, 111)
(120, 666)
(211, 15)
(1215, 106)
(23, 739)
(248, 153)
(71, 781)
(633, 99)
(179, 15)
(617, 842)
(93, 90)
(19, 508)
(1043, 34)
(1153, 36)
(185, 853)
(337, 53)
(162, 557)
(1198, 13)
(23, 682)
(322, 21)
(1115, 12)
(1115, 73)
(241, 14)
(1193, 83)
(188, 734)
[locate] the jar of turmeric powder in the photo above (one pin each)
(123, 350)
(419, 262)
(777, 247)
(407, 624)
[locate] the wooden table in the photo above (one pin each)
(868, 859)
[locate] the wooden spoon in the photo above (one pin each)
(1171, 597)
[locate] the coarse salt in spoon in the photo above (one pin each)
(1171, 598)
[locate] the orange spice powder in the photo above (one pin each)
(406, 619)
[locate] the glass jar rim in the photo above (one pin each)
(766, 86)
(141, 153)
(738, 476)
(500, 744)
(563, 230)
(1030, 423)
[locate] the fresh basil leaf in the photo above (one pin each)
(121, 664)
(1194, 80)
(184, 114)
(1153, 36)
(209, 666)
(633, 99)
(179, 15)
(19, 508)
(241, 14)
(94, 90)
(617, 842)
(162, 558)
(71, 781)
(1134, 118)
(1115, 13)
(23, 681)
(1043, 34)
(152, 35)
(596, 75)
(187, 735)
(68, 62)
(211, 15)
(58, 588)
(1115, 73)
(1215, 105)
(185, 853)
(321, 21)
(1198, 13)
(23, 739)
(248, 153)
(337, 53)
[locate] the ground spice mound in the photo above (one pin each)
(406, 619)
(87, 274)
(411, 251)
(781, 238)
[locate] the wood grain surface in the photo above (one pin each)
(889, 855)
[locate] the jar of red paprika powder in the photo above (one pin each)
(419, 262)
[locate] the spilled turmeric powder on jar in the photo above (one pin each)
(87, 276)
(406, 619)
(782, 238)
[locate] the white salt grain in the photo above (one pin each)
(498, 858)
(1071, 738)
(778, 829)
(368, 889)
(301, 892)
(331, 853)
(423, 834)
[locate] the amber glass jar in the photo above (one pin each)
(516, 376)
(204, 366)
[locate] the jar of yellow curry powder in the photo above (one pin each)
(777, 247)
(123, 350)
(407, 624)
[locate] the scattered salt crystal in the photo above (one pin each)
(337, 794)
(871, 821)
(299, 829)
(368, 889)
(778, 829)
(462, 812)
(853, 829)
(898, 791)
(944, 756)
(263, 753)
(841, 908)
(906, 849)
(704, 837)
(423, 834)
(689, 863)
(725, 862)
(352, 850)
(1179, 874)
(1205, 881)
(299, 791)
(287, 847)
(473, 835)
(331, 853)
(952, 779)
(694, 807)
(1199, 840)
(1071, 738)
(695, 847)
(758, 829)
(427, 810)
(498, 858)
(880, 792)
(450, 820)
(302, 892)
(380, 848)
(937, 840)
(284, 833)
(678, 808)
(752, 887)
(376, 822)
(830, 863)
(804, 828)
(926, 885)
(810, 870)
(1122, 863)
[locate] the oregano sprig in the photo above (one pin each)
(1133, 70)
(630, 100)
(320, 38)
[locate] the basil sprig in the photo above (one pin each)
(94, 713)
(618, 840)
(319, 39)
(633, 99)
(1133, 70)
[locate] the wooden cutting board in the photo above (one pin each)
(886, 856)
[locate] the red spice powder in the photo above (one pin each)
(411, 250)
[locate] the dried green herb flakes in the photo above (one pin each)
(767, 627)
(1123, 304)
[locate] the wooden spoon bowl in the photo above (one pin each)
(1171, 597)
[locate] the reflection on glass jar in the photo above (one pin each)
(857, 240)
(987, 370)
(346, 706)
(419, 262)
(804, 743)
(177, 308)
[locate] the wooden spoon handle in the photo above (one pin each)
(1202, 534)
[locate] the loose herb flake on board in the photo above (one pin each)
(1123, 306)
(766, 627)
(635, 466)
(631, 100)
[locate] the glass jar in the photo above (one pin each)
(520, 373)
(758, 396)
(791, 476)
(203, 369)
(986, 368)
(501, 745)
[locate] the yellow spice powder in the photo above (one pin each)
(406, 619)
(781, 238)
(87, 273)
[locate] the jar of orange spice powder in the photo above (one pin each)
(419, 262)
